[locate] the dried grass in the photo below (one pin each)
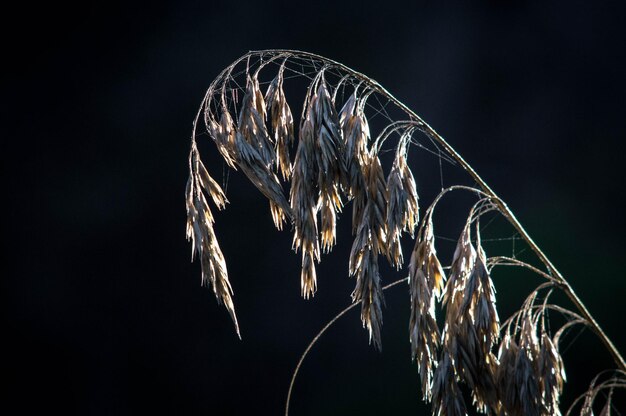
(336, 162)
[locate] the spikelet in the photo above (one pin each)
(303, 198)
(254, 153)
(462, 265)
(223, 134)
(328, 218)
(368, 291)
(527, 369)
(395, 211)
(505, 375)
(402, 207)
(376, 205)
(518, 378)
(446, 394)
(251, 163)
(282, 124)
(200, 232)
(606, 410)
(356, 134)
(426, 278)
(551, 375)
(370, 240)
(364, 266)
(329, 152)
(472, 324)
(483, 330)
(251, 122)
(411, 217)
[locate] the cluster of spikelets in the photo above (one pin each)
(334, 162)
(513, 369)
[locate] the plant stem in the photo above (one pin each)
(317, 337)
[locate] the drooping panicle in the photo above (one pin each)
(426, 279)
(200, 231)
(303, 198)
(281, 122)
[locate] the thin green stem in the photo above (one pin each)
(317, 337)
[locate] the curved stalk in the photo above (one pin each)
(317, 337)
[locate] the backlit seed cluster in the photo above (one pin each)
(512, 368)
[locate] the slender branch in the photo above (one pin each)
(509, 261)
(317, 337)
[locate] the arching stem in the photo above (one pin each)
(503, 208)
(317, 337)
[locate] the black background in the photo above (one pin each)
(104, 314)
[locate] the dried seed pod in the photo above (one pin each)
(472, 322)
(251, 122)
(209, 185)
(369, 241)
(426, 279)
(411, 217)
(480, 302)
(368, 291)
(200, 232)
(329, 150)
(364, 266)
(446, 393)
(329, 142)
(223, 134)
(376, 204)
(356, 134)
(521, 394)
(253, 166)
(328, 224)
(402, 207)
(281, 122)
(396, 208)
(303, 197)
(462, 265)
(505, 375)
(551, 374)
(527, 384)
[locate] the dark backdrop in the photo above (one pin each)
(103, 312)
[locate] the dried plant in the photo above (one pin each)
(509, 368)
